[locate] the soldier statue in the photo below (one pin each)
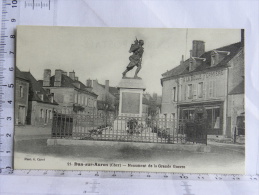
(135, 58)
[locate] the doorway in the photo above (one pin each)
(214, 120)
(21, 115)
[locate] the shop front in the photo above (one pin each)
(211, 112)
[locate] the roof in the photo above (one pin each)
(239, 89)
(35, 90)
(20, 75)
(205, 65)
(113, 90)
(66, 81)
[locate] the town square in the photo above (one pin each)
(141, 99)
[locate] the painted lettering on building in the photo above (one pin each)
(203, 76)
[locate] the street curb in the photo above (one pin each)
(137, 145)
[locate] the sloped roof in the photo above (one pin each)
(35, 89)
(206, 65)
(66, 81)
(19, 74)
(113, 90)
(239, 89)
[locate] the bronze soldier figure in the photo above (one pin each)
(135, 58)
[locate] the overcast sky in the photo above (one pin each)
(102, 53)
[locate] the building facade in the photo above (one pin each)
(71, 94)
(107, 102)
(204, 84)
(33, 106)
(21, 97)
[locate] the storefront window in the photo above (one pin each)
(188, 114)
(214, 121)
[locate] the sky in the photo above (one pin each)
(102, 53)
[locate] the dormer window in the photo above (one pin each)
(41, 96)
(218, 56)
(214, 58)
(195, 62)
(191, 65)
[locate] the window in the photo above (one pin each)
(200, 89)
(41, 113)
(50, 114)
(174, 94)
(210, 88)
(86, 102)
(173, 116)
(75, 100)
(180, 93)
(191, 65)
(81, 99)
(52, 97)
(190, 91)
(66, 98)
(21, 91)
(41, 97)
(213, 60)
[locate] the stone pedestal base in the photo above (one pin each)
(131, 93)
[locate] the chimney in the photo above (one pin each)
(64, 73)
(107, 86)
(95, 83)
(46, 78)
(89, 83)
(242, 37)
(198, 48)
(76, 78)
(181, 63)
(58, 76)
(72, 75)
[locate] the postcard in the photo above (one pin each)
(130, 99)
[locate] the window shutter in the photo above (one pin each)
(184, 92)
(194, 95)
(204, 90)
(210, 89)
(214, 89)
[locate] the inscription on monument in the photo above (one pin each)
(130, 103)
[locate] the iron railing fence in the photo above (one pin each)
(124, 128)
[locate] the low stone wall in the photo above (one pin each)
(119, 145)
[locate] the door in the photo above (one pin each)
(21, 115)
(214, 120)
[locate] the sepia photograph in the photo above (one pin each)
(130, 99)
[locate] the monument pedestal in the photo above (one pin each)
(131, 93)
(130, 105)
